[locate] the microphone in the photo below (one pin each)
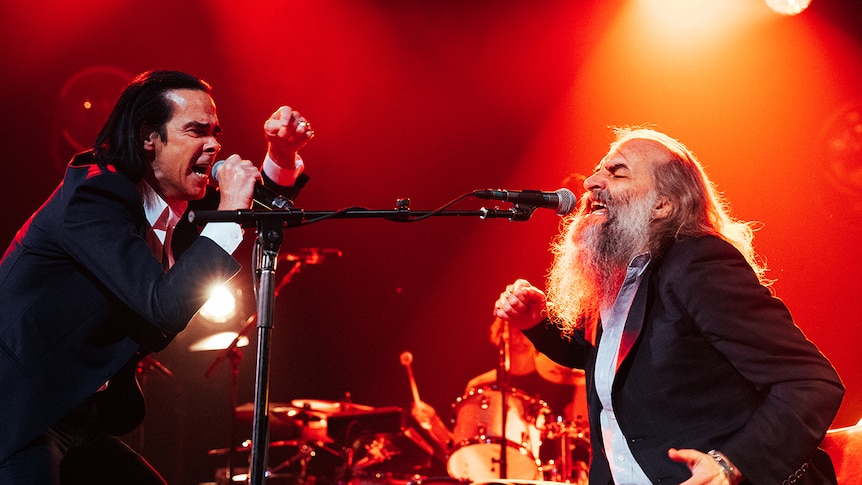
(312, 255)
(268, 198)
(563, 200)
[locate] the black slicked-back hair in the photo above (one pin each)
(141, 108)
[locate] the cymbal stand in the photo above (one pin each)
(235, 355)
(147, 363)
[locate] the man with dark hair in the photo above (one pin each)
(695, 373)
(109, 269)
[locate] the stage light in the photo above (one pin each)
(788, 7)
(83, 105)
(220, 307)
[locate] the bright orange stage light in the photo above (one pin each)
(788, 7)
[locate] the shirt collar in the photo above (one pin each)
(640, 262)
(159, 214)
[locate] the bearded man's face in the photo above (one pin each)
(611, 227)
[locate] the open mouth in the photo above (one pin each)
(200, 169)
(598, 208)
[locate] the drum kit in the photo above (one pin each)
(500, 435)
(329, 442)
(333, 442)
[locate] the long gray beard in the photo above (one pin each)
(591, 259)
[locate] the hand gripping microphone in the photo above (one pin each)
(268, 198)
(563, 200)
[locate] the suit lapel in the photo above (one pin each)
(635, 320)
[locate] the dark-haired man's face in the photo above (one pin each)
(179, 170)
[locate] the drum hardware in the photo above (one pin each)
(375, 444)
(503, 370)
(241, 477)
(305, 452)
(438, 481)
(496, 429)
(229, 349)
(566, 452)
(303, 456)
(378, 451)
(479, 438)
(514, 431)
(306, 430)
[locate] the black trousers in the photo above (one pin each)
(76, 452)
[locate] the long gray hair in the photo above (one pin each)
(698, 207)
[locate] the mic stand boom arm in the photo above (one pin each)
(294, 217)
(270, 231)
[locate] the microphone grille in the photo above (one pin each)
(215, 168)
(567, 202)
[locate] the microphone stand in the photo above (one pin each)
(270, 231)
(503, 384)
(270, 237)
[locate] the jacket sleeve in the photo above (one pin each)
(548, 340)
(800, 390)
(101, 230)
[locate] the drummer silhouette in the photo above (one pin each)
(545, 428)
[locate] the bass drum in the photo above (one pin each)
(478, 435)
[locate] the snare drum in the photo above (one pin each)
(479, 437)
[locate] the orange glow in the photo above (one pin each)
(685, 26)
(788, 7)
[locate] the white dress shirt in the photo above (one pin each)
(624, 468)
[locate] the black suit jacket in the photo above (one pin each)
(81, 294)
(710, 360)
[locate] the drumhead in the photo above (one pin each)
(480, 460)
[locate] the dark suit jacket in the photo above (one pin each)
(81, 293)
(710, 360)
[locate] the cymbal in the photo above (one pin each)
(219, 341)
(304, 424)
(246, 446)
(329, 407)
(280, 412)
(559, 374)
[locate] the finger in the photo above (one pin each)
(302, 126)
(282, 114)
(273, 127)
(521, 284)
(512, 304)
(683, 456)
(279, 119)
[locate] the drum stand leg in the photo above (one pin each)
(303, 456)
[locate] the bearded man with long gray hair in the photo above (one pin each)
(696, 373)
